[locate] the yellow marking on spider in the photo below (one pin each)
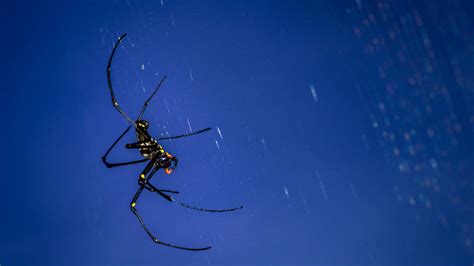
(142, 176)
(133, 204)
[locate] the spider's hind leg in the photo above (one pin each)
(145, 104)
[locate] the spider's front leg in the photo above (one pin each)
(133, 205)
(143, 179)
(153, 189)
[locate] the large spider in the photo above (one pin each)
(153, 152)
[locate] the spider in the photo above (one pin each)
(154, 154)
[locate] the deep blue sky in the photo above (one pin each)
(375, 168)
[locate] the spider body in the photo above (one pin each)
(149, 146)
(151, 149)
(154, 154)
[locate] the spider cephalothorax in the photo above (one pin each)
(153, 153)
(170, 163)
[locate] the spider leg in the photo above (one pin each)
(147, 186)
(138, 144)
(145, 105)
(171, 199)
(110, 165)
(205, 210)
(186, 135)
(152, 188)
(109, 83)
(169, 191)
(135, 212)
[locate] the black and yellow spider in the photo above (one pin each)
(153, 152)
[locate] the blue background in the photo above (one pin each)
(375, 168)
